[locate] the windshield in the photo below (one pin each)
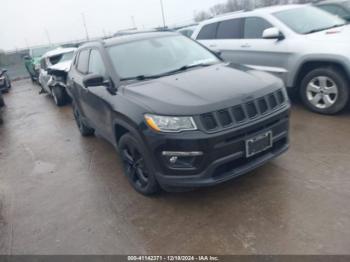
(61, 58)
(305, 20)
(156, 56)
(38, 52)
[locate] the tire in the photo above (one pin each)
(59, 95)
(137, 166)
(83, 128)
(9, 85)
(2, 102)
(325, 91)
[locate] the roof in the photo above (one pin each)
(133, 31)
(331, 2)
(129, 38)
(59, 51)
(263, 10)
(276, 8)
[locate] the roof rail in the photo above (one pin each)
(231, 13)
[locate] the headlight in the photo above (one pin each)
(170, 123)
(2, 78)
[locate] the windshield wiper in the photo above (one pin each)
(183, 68)
(322, 29)
(139, 77)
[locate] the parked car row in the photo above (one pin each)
(188, 114)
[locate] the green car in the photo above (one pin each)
(32, 62)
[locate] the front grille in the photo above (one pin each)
(215, 121)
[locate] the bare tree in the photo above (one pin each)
(218, 9)
(201, 16)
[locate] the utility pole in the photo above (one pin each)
(48, 36)
(84, 23)
(162, 7)
(26, 41)
(133, 22)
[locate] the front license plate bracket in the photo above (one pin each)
(258, 144)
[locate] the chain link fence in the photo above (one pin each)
(14, 63)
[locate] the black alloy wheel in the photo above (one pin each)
(136, 166)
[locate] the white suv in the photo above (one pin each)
(307, 47)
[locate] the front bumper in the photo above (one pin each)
(224, 153)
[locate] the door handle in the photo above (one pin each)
(245, 46)
(212, 46)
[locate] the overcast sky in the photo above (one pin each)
(23, 22)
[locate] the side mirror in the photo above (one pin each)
(95, 80)
(3, 71)
(272, 33)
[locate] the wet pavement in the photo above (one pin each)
(61, 193)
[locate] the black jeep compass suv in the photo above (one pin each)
(179, 116)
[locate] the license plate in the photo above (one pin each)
(258, 144)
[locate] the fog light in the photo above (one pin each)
(173, 159)
(176, 159)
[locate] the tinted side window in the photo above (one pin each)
(96, 65)
(208, 32)
(230, 29)
(83, 61)
(254, 27)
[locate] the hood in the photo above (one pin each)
(63, 66)
(340, 35)
(202, 90)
